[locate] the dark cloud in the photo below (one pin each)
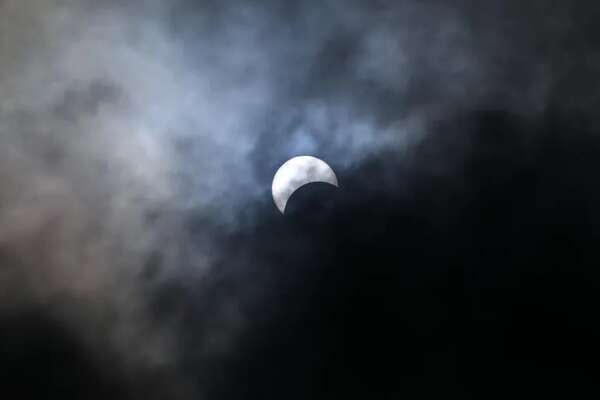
(141, 253)
(476, 279)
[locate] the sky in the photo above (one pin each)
(141, 253)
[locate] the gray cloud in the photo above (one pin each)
(120, 121)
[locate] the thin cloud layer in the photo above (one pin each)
(138, 143)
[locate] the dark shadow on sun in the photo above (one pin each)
(313, 201)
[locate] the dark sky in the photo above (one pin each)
(141, 254)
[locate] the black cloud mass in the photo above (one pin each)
(141, 254)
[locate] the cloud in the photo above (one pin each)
(138, 144)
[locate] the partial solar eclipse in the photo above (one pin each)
(297, 172)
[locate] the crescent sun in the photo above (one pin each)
(297, 172)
